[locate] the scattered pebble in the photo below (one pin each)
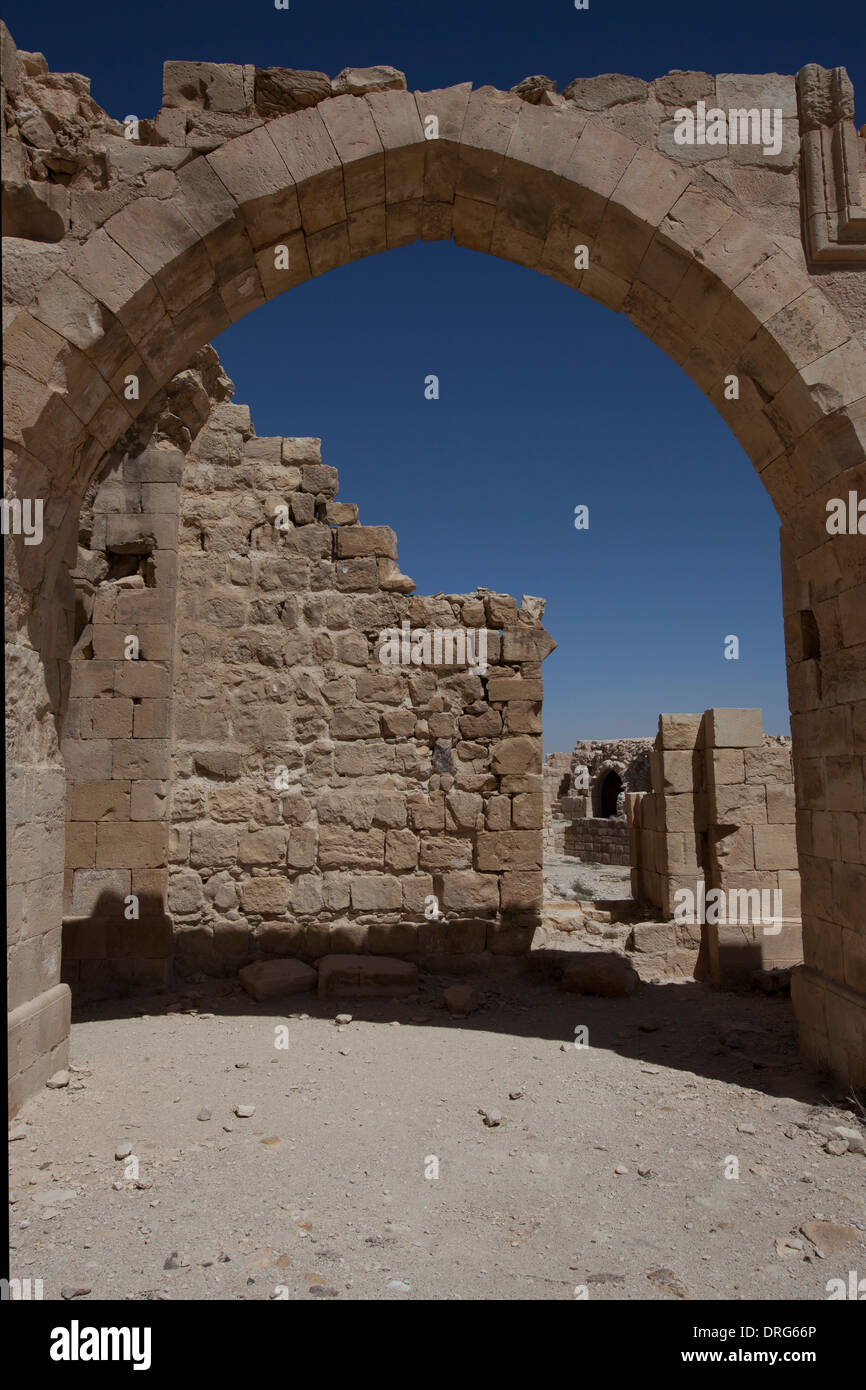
(245, 1112)
(123, 1151)
(74, 1290)
(341, 1018)
(836, 1147)
(491, 1118)
(58, 1080)
(203, 1114)
(620, 1169)
(854, 1137)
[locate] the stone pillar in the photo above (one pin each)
(828, 728)
(751, 852)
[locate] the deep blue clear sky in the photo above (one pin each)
(547, 400)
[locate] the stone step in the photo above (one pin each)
(371, 976)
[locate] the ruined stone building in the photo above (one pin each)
(584, 797)
(245, 774)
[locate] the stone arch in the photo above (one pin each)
(356, 175)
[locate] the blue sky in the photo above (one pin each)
(546, 399)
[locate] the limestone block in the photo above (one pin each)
(526, 643)
(768, 763)
(426, 813)
(401, 850)
(734, 850)
(463, 810)
(283, 938)
(142, 680)
(106, 718)
(600, 973)
(359, 722)
(610, 89)
(225, 87)
(522, 717)
(306, 148)
(376, 892)
(266, 896)
(445, 852)
(781, 804)
(521, 890)
(677, 770)
(357, 575)
(682, 853)
(354, 541)
(507, 849)
(512, 688)
(263, 846)
(213, 846)
(99, 892)
(356, 140)
(148, 800)
(141, 758)
(303, 848)
(402, 137)
(185, 894)
(769, 89)
(363, 758)
(498, 814)
(527, 811)
(275, 979)
(282, 90)
(466, 891)
(365, 976)
(740, 803)
(679, 812)
(305, 895)
(34, 210)
(344, 848)
(487, 725)
(398, 724)
(517, 755)
(679, 731)
(775, 847)
(122, 845)
(231, 937)
(358, 81)
(94, 801)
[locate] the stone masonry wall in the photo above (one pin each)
(257, 778)
(598, 840)
(721, 814)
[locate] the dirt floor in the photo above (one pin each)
(604, 1177)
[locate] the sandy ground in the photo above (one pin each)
(566, 878)
(606, 1173)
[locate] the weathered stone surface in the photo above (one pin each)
(275, 979)
(357, 81)
(359, 976)
(278, 90)
(600, 973)
(611, 89)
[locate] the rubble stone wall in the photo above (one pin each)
(257, 776)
